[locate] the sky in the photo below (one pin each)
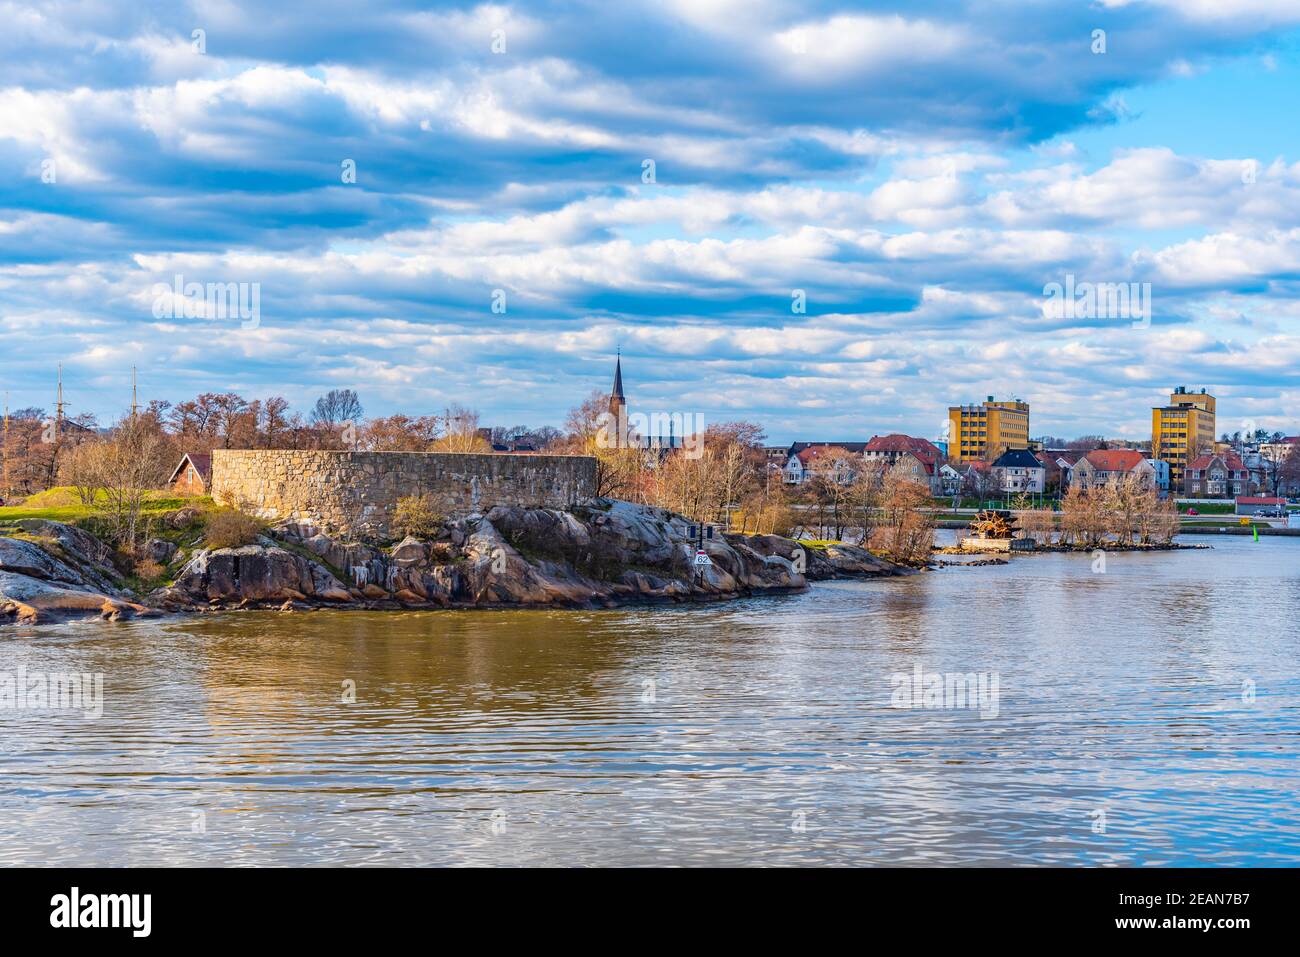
(482, 203)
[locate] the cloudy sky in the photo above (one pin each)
(920, 171)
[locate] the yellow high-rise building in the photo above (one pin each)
(986, 431)
(1182, 430)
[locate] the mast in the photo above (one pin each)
(58, 407)
(6, 444)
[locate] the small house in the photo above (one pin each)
(1103, 467)
(1019, 470)
(193, 475)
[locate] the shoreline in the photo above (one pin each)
(605, 554)
(289, 606)
(608, 555)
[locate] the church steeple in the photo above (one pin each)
(617, 392)
(618, 404)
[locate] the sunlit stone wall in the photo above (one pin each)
(346, 491)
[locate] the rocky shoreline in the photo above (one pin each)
(605, 554)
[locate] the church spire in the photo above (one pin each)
(617, 392)
(618, 405)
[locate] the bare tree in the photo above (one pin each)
(461, 432)
(1124, 502)
(402, 433)
(82, 469)
(1038, 524)
(130, 465)
(1082, 518)
(864, 497)
(1289, 472)
(907, 527)
(1086, 443)
(1158, 521)
(337, 407)
(274, 421)
(979, 482)
(584, 420)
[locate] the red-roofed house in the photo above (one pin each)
(808, 459)
(191, 476)
(889, 448)
(1217, 476)
(920, 459)
(1111, 466)
(1058, 464)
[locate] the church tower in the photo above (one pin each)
(618, 404)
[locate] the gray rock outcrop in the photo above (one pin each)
(597, 555)
(62, 574)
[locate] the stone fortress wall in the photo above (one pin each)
(347, 491)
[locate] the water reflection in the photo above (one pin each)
(756, 731)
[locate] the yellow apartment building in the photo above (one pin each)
(985, 431)
(1182, 430)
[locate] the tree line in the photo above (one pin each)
(39, 451)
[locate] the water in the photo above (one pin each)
(529, 738)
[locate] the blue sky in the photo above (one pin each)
(921, 171)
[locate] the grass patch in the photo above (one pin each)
(61, 505)
(966, 501)
(1208, 509)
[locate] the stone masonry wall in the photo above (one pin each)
(343, 491)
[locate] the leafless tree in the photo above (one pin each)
(130, 466)
(906, 531)
(460, 432)
(336, 407)
(83, 469)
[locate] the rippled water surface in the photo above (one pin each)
(753, 732)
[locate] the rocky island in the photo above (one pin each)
(601, 554)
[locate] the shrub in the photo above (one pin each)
(147, 569)
(231, 528)
(417, 515)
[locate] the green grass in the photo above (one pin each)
(1208, 509)
(995, 502)
(62, 505)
